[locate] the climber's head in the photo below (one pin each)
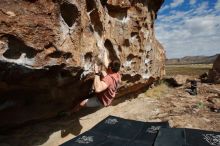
(114, 66)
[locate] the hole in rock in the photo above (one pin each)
(117, 11)
(152, 26)
(104, 2)
(135, 61)
(112, 54)
(134, 34)
(141, 51)
(49, 45)
(130, 57)
(119, 48)
(60, 54)
(67, 55)
(56, 54)
(90, 5)
(16, 47)
(90, 28)
(88, 56)
(126, 43)
(129, 78)
(95, 20)
(144, 2)
(69, 12)
(32, 1)
(147, 56)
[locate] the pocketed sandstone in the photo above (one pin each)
(48, 48)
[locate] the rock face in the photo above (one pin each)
(48, 48)
(214, 73)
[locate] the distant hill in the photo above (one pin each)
(192, 60)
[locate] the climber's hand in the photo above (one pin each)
(96, 68)
(103, 73)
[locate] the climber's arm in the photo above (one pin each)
(99, 85)
(105, 59)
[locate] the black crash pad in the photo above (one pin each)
(187, 137)
(170, 137)
(202, 138)
(115, 131)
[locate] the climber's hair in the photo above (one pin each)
(115, 65)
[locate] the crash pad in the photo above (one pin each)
(187, 137)
(115, 131)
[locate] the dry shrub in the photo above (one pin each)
(157, 91)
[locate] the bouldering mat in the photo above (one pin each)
(115, 131)
(170, 137)
(196, 137)
(187, 137)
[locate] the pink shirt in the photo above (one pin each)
(112, 81)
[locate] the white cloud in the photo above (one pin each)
(193, 32)
(192, 2)
(202, 8)
(217, 5)
(202, 25)
(176, 3)
(164, 8)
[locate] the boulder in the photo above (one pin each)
(177, 80)
(214, 73)
(181, 79)
(48, 48)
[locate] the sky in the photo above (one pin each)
(189, 27)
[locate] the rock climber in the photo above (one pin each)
(105, 85)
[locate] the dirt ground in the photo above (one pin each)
(161, 103)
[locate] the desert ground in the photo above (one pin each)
(159, 103)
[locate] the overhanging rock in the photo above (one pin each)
(48, 47)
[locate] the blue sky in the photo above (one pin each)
(189, 27)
